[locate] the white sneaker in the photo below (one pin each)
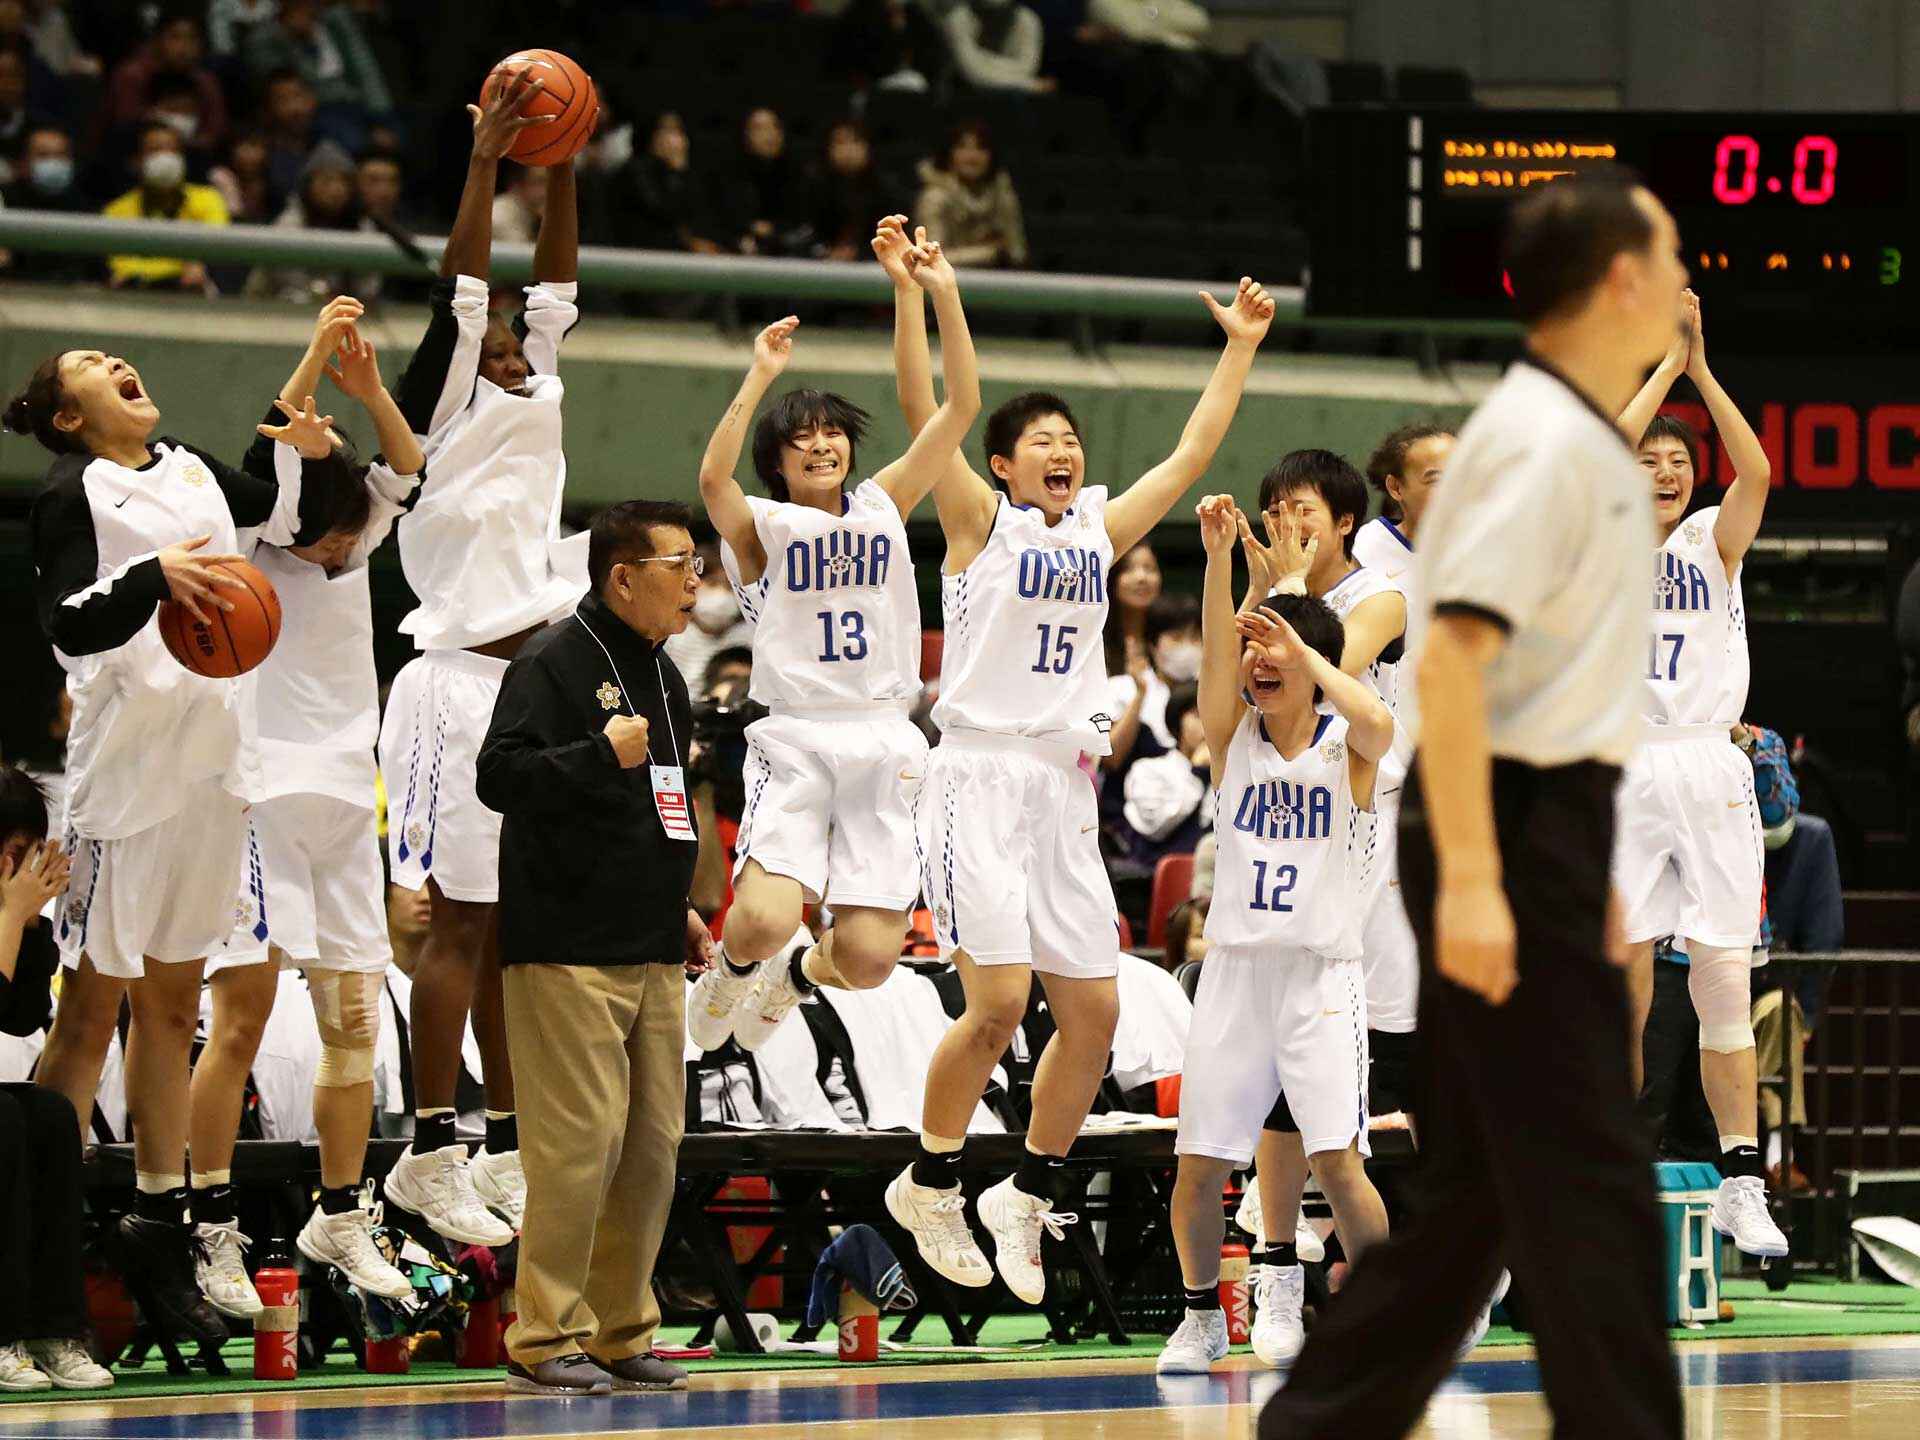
(1015, 1219)
(713, 1002)
(1483, 1322)
(345, 1241)
(220, 1269)
(1250, 1217)
(1199, 1344)
(18, 1372)
(501, 1184)
(937, 1220)
(1279, 1327)
(68, 1365)
(1307, 1243)
(437, 1188)
(1740, 1210)
(773, 995)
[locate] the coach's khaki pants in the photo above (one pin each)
(601, 1092)
(1780, 1035)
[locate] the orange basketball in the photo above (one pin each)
(567, 95)
(238, 639)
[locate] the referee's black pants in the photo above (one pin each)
(1531, 1159)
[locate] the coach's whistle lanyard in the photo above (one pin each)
(673, 740)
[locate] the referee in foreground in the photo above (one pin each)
(1532, 581)
(585, 760)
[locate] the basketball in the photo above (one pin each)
(567, 95)
(237, 640)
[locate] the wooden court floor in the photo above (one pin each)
(1865, 1389)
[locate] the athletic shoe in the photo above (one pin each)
(345, 1241)
(438, 1188)
(1199, 1343)
(160, 1258)
(1015, 1219)
(501, 1184)
(561, 1376)
(221, 1270)
(18, 1372)
(937, 1221)
(1279, 1328)
(1740, 1210)
(714, 1001)
(644, 1372)
(773, 995)
(68, 1365)
(1483, 1322)
(1307, 1243)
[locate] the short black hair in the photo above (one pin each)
(168, 85)
(1672, 427)
(23, 805)
(1182, 700)
(1335, 480)
(1561, 239)
(280, 74)
(1173, 610)
(1010, 420)
(333, 493)
(726, 655)
(1389, 458)
(625, 532)
(1315, 623)
(31, 411)
(982, 134)
(799, 410)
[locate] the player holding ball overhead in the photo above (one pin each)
(482, 550)
(161, 761)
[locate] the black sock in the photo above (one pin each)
(1741, 1160)
(1040, 1176)
(1260, 1256)
(1281, 1256)
(433, 1132)
(503, 1133)
(213, 1205)
(169, 1207)
(339, 1199)
(938, 1172)
(735, 966)
(797, 968)
(1207, 1299)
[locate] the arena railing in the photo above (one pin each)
(666, 272)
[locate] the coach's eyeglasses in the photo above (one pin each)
(699, 562)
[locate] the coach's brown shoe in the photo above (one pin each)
(644, 1372)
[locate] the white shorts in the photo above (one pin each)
(168, 893)
(1009, 834)
(1389, 954)
(1270, 1020)
(830, 804)
(1688, 858)
(313, 889)
(437, 714)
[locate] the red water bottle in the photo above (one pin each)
(276, 1329)
(1234, 1261)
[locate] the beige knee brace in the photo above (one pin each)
(346, 1005)
(1719, 979)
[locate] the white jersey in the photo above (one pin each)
(1025, 622)
(1295, 852)
(1382, 546)
(1383, 675)
(836, 613)
(1697, 663)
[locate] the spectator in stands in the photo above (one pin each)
(194, 102)
(328, 200)
(1186, 934)
(164, 193)
(329, 50)
(46, 181)
(243, 182)
(55, 42)
(289, 109)
(231, 23)
(519, 205)
(996, 45)
(379, 184)
(659, 202)
(16, 117)
(717, 622)
(850, 193)
(766, 203)
(1163, 798)
(890, 45)
(1168, 656)
(1174, 24)
(968, 204)
(1135, 585)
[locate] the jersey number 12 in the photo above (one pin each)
(852, 631)
(1267, 897)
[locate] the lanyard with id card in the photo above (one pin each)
(669, 781)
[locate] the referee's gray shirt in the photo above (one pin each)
(1544, 525)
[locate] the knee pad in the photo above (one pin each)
(1719, 980)
(346, 1006)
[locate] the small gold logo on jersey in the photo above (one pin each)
(1334, 751)
(194, 474)
(1694, 533)
(416, 835)
(608, 695)
(943, 917)
(243, 913)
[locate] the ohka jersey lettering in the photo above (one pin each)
(1283, 810)
(1071, 576)
(838, 560)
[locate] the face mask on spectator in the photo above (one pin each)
(1179, 660)
(715, 609)
(164, 169)
(52, 173)
(185, 126)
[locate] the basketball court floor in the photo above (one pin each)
(1856, 1389)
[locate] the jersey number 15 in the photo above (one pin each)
(1056, 650)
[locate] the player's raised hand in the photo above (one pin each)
(1247, 318)
(894, 250)
(40, 875)
(628, 736)
(306, 430)
(495, 128)
(337, 317)
(195, 580)
(773, 346)
(1220, 522)
(932, 271)
(1267, 631)
(355, 367)
(1696, 337)
(1289, 555)
(1474, 938)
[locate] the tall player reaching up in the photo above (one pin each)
(481, 549)
(1689, 861)
(1007, 820)
(823, 570)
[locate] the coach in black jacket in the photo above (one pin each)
(584, 759)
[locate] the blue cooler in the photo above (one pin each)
(1686, 1191)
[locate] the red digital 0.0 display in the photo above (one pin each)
(1794, 168)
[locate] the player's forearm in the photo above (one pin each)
(729, 436)
(470, 243)
(305, 379)
(1456, 762)
(397, 443)
(1745, 502)
(1646, 403)
(1218, 403)
(960, 366)
(912, 365)
(1369, 722)
(1219, 694)
(556, 253)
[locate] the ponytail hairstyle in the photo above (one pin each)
(32, 411)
